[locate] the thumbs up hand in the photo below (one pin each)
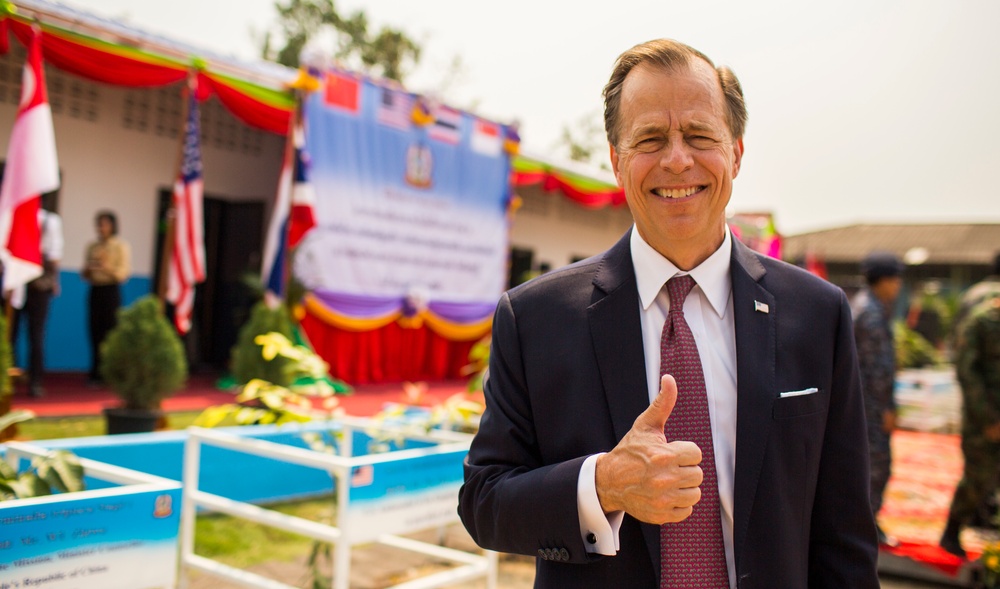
(645, 476)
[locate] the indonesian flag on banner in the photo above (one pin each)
(187, 260)
(294, 215)
(487, 138)
(32, 169)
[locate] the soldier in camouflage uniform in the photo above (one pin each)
(986, 288)
(872, 312)
(977, 363)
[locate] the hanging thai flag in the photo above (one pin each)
(293, 216)
(32, 169)
(187, 262)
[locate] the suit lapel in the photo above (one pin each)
(755, 380)
(617, 336)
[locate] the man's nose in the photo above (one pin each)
(676, 157)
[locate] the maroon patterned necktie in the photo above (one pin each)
(692, 552)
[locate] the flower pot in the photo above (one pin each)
(131, 421)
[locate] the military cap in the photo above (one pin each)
(880, 265)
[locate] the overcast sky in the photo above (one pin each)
(860, 111)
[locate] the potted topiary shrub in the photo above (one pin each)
(142, 361)
(9, 430)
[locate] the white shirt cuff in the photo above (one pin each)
(598, 530)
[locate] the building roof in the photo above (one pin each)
(943, 243)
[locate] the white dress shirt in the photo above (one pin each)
(708, 310)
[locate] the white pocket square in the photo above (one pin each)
(808, 391)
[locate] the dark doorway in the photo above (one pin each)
(222, 303)
(521, 260)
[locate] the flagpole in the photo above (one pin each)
(295, 125)
(166, 254)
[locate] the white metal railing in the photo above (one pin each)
(99, 470)
(468, 565)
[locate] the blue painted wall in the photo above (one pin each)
(67, 340)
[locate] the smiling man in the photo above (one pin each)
(678, 411)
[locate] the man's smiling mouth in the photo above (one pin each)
(676, 192)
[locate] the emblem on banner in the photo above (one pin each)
(163, 507)
(419, 166)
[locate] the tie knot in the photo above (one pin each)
(678, 288)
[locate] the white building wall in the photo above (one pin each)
(560, 231)
(118, 149)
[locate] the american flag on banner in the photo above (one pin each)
(293, 216)
(395, 109)
(187, 262)
(32, 169)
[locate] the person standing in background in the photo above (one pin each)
(38, 296)
(106, 267)
(977, 365)
(872, 311)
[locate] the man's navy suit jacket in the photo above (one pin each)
(567, 379)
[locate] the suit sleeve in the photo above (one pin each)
(843, 547)
(511, 501)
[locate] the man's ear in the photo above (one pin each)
(614, 164)
(737, 156)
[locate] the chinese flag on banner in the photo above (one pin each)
(32, 169)
(342, 92)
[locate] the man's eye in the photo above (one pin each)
(701, 140)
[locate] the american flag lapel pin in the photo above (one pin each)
(760, 307)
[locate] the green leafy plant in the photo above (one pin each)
(264, 402)
(912, 349)
(57, 471)
(6, 361)
(247, 362)
(142, 358)
(990, 560)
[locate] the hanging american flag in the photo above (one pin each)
(32, 169)
(187, 261)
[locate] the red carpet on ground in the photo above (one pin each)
(69, 395)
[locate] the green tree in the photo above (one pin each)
(388, 52)
(584, 141)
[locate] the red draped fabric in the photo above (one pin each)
(389, 354)
(122, 66)
(252, 112)
(99, 63)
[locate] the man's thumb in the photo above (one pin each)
(659, 410)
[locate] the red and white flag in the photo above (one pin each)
(32, 169)
(187, 260)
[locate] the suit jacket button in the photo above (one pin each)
(564, 555)
(542, 554)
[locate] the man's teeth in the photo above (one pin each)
(675, 192)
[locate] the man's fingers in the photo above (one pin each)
(655, 416)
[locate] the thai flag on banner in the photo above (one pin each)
(187, 262)
(447, 125)
(32, 169)
(293, 216)
(395, 109)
